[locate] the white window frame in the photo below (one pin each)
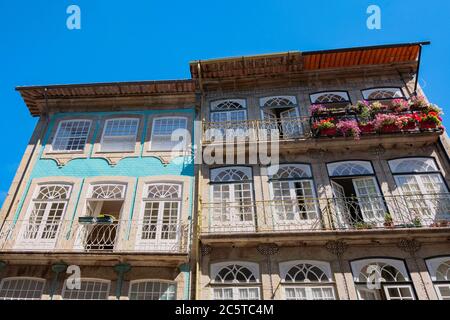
(97, 280)
(119, 184)
(38, 242)
(367, 92)
(114, 138)
(184, 142)
(308, 291)
(252, 266)
(235, 292)
(58, 131)
(366, 165)
(155, 281)
(41, 280)
(216, 103)
(342, 94)
(386, 288)
(433, 265)
(430, 162)
(232, 214)
(291, 99)
(159, 244)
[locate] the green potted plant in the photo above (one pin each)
(416, 222)
(388, 221)
(361, 225)
(105, 219)
(325, 127)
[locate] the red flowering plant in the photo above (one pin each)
(430, 117)
(386, 122)
(349, 128)
(400, 105)
(326, 127)
(406, 122)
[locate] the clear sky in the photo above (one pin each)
(150, 40)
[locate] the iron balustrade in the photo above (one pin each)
(316, 214)
(146, 236)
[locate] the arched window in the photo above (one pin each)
(382, 279)
(228, 119)
(44, 216)
(439, 269)
(307, 280)
(108, 191)
(278, 102)
(159, 228)
(293, 196)
(235, 281)
(330, 97)
(152, 290)
(21, 288)
(383, 94)
(232, 197)
(422, 188)
(350, 168)
(119, 134)
(90, 289)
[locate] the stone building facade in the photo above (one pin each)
(322, 212)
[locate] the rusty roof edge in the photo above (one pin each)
(104, 84)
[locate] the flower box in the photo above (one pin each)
(409, 127)
(369, 128)
(331, 132)
(426, 125)
(105, 219)
(390, 128)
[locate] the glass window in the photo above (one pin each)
(382, 93)
(235, 275)
(163, 129)
(71, 135)
(439, 269)
(90, 289)
(120, 135)
(21, 288)
(152, 290)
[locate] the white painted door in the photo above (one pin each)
(370, 200)
(340, 209)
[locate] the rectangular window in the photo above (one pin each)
(309, 293)
(163, 128)
(399, 292)
(21, 289)
(152, 290)
(443, 291)
(89, 290)
(120, 135)
(236, 293)
(71, 135)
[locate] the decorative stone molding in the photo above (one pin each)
(336, 247)
(205, 250)
(269, 249)
(411, 246)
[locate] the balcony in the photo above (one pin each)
(396, 117)
(327, 214)
(156, 237)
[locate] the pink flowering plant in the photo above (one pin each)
(349, 128)
(382, 120)
(316, 109)
(403, 121)
(400, 105)
(418, 102)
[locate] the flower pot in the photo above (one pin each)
(367, 128)
(331, 132)
(105, 220)
(390, 128)
(426, 125)
(409, 127)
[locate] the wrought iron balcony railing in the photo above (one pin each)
(256, 130)
(71, 236)
(307, 214)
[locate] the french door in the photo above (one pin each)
(341, 210)
(370, 200)
(159, 228)
(230, 123)
(40, 230)
(233, 206)
(294, 203)
(424, 195)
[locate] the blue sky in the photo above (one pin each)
(148, 40)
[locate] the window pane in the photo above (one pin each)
(162, 134)
(120, 135)
(21, 289)
(152, 290)
(71, 135)
(89, 290)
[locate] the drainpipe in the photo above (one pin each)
(120, 269)
(57, 268)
